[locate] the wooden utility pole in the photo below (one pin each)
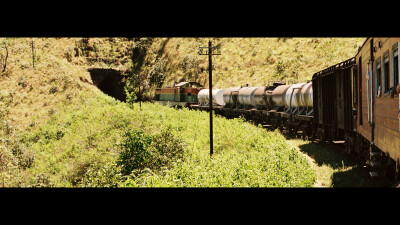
(209, 52)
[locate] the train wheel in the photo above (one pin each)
(294, 129)
(348, 147)
(274, 123)
(330, 136)
(319, 135)
(305, 128)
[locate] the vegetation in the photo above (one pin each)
(253, 61)
(244, 155)
(156, 146)
(159, 62)
(59, 130)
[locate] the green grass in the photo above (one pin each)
(79, 142)
(335, 168)
(244, 155)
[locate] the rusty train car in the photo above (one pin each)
(355, 101)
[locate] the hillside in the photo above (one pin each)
(253, 61)
(58, 129)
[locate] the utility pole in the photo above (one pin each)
(209, 52)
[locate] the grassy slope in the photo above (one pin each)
(253, 61)
(244, 155)
(50, 115)
(31, 96)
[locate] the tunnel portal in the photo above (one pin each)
(109, 81)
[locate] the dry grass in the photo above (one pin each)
(253, 61)
(58, 77)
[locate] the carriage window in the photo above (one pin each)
(395, 77)
(386, 73)
(378, 81)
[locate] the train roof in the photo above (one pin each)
(365, 41)
(186, 84)
(341, 65)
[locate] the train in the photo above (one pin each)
(355, 101)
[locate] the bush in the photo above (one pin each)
(107, 175)
(141, 151)
(165, 149)
(134, 154)
(130, 96)
(244, 155)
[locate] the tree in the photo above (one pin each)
(4, 58)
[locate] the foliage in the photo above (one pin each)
(130, 95)
(12, 158)
(140, 151)
(255, 158)
(134, 154)
(98, 175)
(253, 61)
(165, 149)
(101, 142)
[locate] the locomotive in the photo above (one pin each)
(181, 94)
(355, 101)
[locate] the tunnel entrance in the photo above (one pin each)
(109, 81)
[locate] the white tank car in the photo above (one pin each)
(246, 96)
(217, 96)
(306, 95)
(278, 95)
(292, 95)
(229, 97)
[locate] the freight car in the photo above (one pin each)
(355, 101)
(279, 106)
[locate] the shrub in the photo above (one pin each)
(97, 175)
(130, 96)
(141, 151)
(165, 149)
(134, 154)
